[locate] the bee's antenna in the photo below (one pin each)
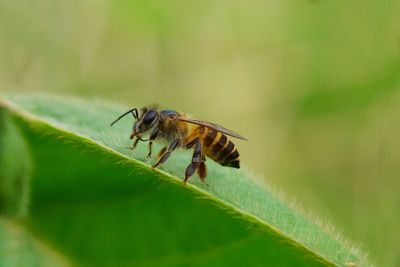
(134, 114)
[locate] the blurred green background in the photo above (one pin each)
(313, 84)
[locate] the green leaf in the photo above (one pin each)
(15, 169)
(94, 202)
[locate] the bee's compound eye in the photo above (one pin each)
(149, 117)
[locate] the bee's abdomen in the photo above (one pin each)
(217, 147)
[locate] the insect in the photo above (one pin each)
(178, 130)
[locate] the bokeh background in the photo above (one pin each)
(313, 84)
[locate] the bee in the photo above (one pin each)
(180, 131)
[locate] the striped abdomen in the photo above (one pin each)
(217, 147)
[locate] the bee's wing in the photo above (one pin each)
(210, 125)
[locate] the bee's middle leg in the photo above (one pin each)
(162, 151)
(197, 160)
(167, 154)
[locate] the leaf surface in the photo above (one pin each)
(94, 202)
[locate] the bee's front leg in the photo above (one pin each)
(153, 136)
(134, 144)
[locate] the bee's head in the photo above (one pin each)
(145, 121)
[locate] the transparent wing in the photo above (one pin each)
(210, 125)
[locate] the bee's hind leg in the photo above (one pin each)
(167, 154)
(196, 161)
(202, 169)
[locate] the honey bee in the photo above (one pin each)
(179, 130)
